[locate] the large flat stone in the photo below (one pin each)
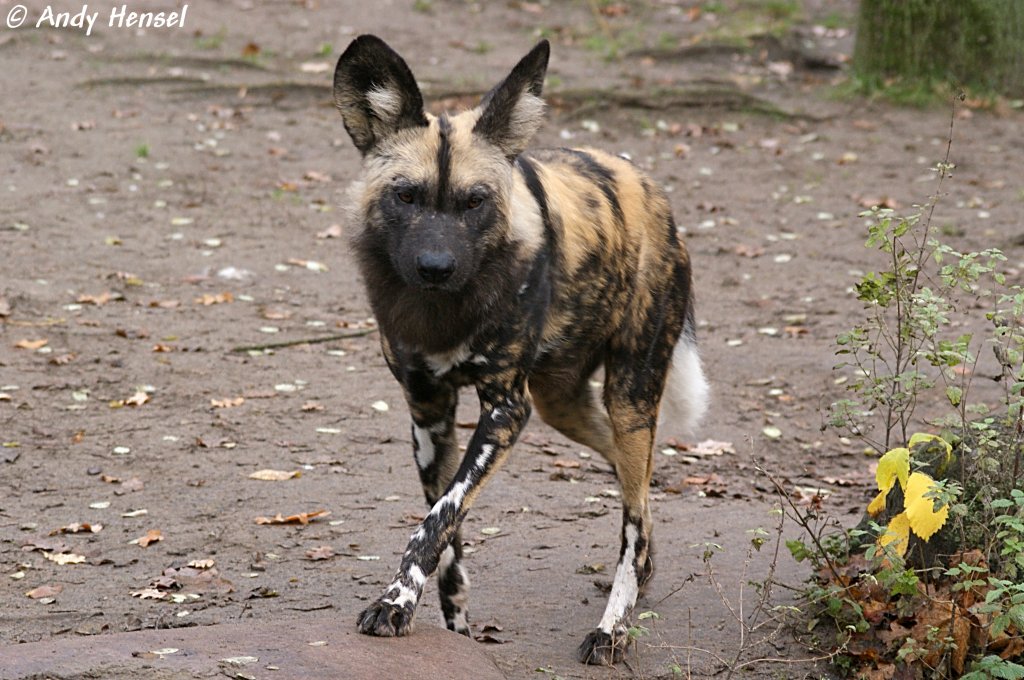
(311, 647)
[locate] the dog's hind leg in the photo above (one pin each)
(636, 367)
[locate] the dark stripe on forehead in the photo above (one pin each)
(444, 160)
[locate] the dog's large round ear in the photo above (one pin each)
(513, 111)
(375, 92)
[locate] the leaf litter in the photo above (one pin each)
(302, 518)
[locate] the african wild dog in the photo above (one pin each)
(519, 273)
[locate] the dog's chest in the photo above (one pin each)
(460, 364)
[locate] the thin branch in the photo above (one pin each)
(304, 341)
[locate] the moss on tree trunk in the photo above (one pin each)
(973, 43)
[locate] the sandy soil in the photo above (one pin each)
(163, 201)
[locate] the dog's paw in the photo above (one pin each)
(462, 628)
(601, 649)
(385, 620)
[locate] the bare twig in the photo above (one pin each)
(305, 341)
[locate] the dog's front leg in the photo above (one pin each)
(505, 408)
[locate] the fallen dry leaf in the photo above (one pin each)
(227, 403)
(274, 314)
(275, 475)
(311, 265)
(202, 564)
(64, 558)
(314, 67)
(744, 250)
(45, 591)
(301, 518)
(32, 344)
(566, 463)
(315, 176)
(333, 231)
(77, 528)
(207, 299)
(323, 552)
(99, 300)
(137, 399)
(710, 447)
(312, 406)
(149, 594)
(152, 536)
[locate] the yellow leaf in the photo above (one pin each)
(920, 511)
(878, 504)
(921, 437)
(897, 534)
(892, 466)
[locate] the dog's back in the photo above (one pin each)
(616, 258)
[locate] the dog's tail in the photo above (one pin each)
(685, 399)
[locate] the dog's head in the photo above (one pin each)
(436, 194)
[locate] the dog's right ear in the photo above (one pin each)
(375, 92)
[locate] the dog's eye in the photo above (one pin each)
(405, 195)
(475, 201)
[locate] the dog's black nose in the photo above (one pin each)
(435, 267)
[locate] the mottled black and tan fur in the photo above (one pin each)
(519, 273)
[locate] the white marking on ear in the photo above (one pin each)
(385, 102)
(527, 116)
(686, 392)
(424, 447)
(625, 588)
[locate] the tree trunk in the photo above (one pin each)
(977, 44)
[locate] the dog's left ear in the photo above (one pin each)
(513, 111)
(375, 92)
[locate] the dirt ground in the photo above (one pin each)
(170, 195)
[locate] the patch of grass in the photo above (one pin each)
(326, 50)
(918, 94)
(834, 20)
(481, 47)
(142, 151)
(667, 41)
(613, 47)
(423, 6)
(779, 10)
(211, 42)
